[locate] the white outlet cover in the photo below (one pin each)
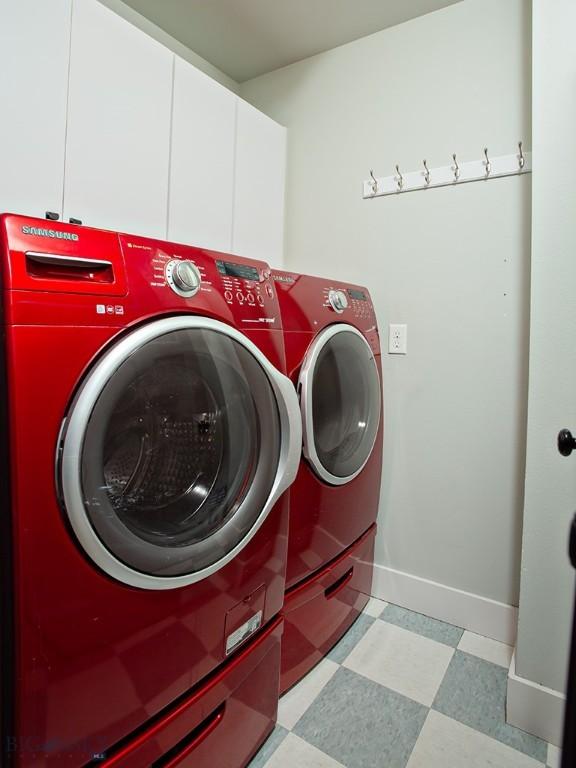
(398, 339)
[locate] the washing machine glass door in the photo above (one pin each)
(175, 449)
(340, 394)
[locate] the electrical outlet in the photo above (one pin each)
(397, 339)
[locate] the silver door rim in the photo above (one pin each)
(69, 460)
(305, 387)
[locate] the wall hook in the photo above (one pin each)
(426, 174)
(399, 179)
(456, 168)
(487, 163)
(374, 183)
(521, 158)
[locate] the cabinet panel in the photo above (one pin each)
(258, 229)
(34, 55)
(202, 160)
(118, 140)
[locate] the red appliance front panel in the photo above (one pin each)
(96, 659)
(319, 611)
(326, 519)
(135, 289)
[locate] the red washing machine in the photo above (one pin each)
(149, 432)
(333, 357)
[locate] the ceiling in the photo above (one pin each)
(247, 38)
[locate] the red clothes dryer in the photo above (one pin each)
(149, 433)
(334, 360)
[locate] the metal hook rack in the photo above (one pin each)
(450, 175)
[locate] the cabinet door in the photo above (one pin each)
(202, 160)
(258, 230)
(118, 139)
(34, 55)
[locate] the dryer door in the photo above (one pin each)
(340, 398)
(174, 451)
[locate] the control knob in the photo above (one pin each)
(338, 301)
(183, 276)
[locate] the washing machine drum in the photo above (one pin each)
(340, 396)
(174, 451)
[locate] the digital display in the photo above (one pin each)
(244, 271)
(358, 295)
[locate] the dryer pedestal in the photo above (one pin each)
(319, 611)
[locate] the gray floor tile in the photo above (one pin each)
(474, 693)
(354, 634)
(269, 747)
(362, 724)
(446, 743)
(423, 625)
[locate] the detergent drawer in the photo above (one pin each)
(318, 611)
(222, 723)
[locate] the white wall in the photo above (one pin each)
(451, 263)
(170, 42)
(547, 579)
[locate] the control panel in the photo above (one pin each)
(351, 302)
(360, 303)
(244, 285)
(206, 280)
(310, 303)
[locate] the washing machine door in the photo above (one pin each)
(340, 400)
(174, 451)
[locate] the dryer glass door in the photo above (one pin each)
(341, 402)
(179, 437)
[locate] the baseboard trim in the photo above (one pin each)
(463, 609)
(534, 708)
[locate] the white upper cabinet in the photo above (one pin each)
(118, 138)
(202, 160)
(102, 123)
(258, 230)
(34, 54)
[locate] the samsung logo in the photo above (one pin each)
(50, 233)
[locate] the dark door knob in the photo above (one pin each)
(566, 443)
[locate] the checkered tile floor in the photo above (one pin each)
(401, 690)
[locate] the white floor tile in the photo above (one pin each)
(553, 760)
(445, 743)
(374, 607)
(294, 751)
(294, 703)
(487, 649)
(403, 661)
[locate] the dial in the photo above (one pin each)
(338, 301)
(183, 277)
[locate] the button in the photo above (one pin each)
(183, 277)
(186, 276)
(250, 298)
(240, 296)
(269, 290)
(228, 295)
(260, 300)
(338, 301)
